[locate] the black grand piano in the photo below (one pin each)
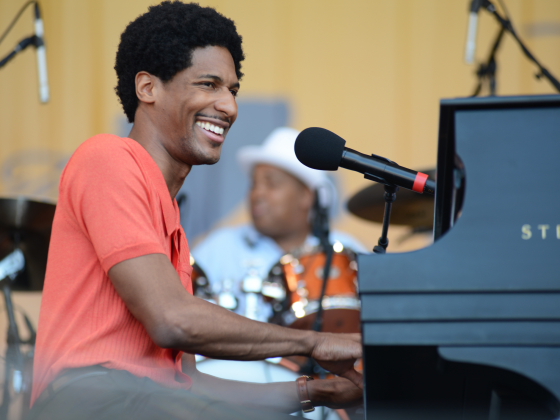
(469, 327)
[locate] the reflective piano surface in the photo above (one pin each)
(469, 328)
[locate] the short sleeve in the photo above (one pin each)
(109, 196)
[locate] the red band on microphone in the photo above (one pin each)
(419, 182)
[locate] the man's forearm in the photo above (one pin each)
(221, 334)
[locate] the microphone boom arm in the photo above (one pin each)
(506, 24)
(22, 45)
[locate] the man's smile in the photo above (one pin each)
(210, 127)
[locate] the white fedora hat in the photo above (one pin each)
(278, 150)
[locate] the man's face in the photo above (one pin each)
(279, 202)
(196, 109)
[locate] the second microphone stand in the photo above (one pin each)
(506, 25)
(321, 230)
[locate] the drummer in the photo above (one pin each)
(281, 201)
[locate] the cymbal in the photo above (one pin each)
(409, 208)
(26, 224)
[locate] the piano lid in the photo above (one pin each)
(507, 237)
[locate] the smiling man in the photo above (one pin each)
(119, 326)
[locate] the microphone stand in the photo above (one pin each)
(321, 230)
(390, 196)
(13, 359)
(507, 26)
(489, 69)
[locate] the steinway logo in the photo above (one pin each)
(540, 231)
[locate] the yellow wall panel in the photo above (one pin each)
(371, 70)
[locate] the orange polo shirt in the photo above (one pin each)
(113, 205)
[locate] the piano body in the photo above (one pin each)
(469, 327)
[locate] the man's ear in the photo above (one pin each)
(145, 86)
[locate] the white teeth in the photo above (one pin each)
(210, 127)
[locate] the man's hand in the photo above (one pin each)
(337, 353)
(334, 393)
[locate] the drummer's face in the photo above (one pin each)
(279, 202)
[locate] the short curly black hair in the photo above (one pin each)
(161, 43)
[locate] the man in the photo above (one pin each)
(117, 311)
(281, 200)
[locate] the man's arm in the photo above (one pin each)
(173, 318)
(278, 396)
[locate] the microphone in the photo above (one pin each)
(471, 31)
(321, 149)
(41, 57)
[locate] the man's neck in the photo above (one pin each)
(292, 241)
(173, 172)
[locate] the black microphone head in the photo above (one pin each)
(318, 148)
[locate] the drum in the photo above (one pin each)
(294, 288)
(262, 371)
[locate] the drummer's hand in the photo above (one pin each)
(337, 353)
(334, 393)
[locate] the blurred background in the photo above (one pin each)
(372, 71)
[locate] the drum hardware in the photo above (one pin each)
(226, 299)
(273, 291)
(251, 285)
(200, 283)
(331, 302)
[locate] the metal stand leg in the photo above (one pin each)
(13, 363)
(390, 196)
